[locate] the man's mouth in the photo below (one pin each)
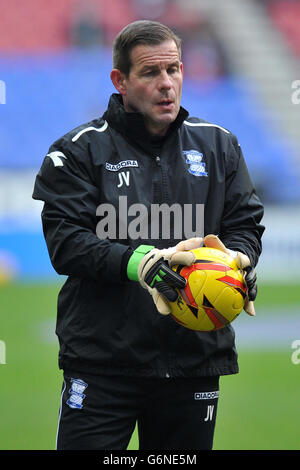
(165, 103)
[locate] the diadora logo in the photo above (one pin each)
(120, 165)
(76, 393)
(194, 159)
(124, 175)
(206, 395)
(56, 157)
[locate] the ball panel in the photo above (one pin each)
(211, 254)
(225, 303)
(214, 294)
(217, 319)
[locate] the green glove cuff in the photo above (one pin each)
(134, 261)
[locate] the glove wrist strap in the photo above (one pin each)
(134, 261)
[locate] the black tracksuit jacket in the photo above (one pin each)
(107, 324)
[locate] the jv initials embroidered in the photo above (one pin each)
(210, 412)
(123, 177)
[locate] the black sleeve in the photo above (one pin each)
(69, 220)
(241, 229)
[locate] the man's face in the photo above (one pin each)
(154, 85)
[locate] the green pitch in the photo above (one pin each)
(258, 408)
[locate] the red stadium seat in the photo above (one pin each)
(36, 25)
(285, 15)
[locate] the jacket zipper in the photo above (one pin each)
(158, 163)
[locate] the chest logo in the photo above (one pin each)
(194, 159)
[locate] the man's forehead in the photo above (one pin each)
(154, 54)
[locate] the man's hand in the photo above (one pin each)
(152, 268)
(243, 262)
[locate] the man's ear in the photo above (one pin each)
(119, 81)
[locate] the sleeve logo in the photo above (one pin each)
(56, 157)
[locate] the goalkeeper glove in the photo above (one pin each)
(243, 262)
(152, 268)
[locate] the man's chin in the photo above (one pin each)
(166, 118)
(160, 124)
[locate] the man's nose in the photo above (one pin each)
(165, 82)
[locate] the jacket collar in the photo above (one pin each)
(132, 126)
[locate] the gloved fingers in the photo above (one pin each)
(147, 262)
(250, 279)
(174, 255)
(249, 307)
(183, 255)
(242, 260)
(186, 258)
(164, 286)
(243, 263)
(160, 302)
(189, 244)
(213, 241)
(168, 292)
(161, 276)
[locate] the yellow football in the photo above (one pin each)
(214, 294)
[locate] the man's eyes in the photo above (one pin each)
(150, 72)
(173, 69)
(154, 72)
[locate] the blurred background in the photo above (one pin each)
(242, 71)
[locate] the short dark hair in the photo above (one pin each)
(136, 33)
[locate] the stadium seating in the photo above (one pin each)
(285, 15)
(53, 85)
(40, 25)
(48, 96)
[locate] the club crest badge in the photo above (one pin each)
(76, 393)
(194, 159)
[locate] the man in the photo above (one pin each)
(124, 362)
